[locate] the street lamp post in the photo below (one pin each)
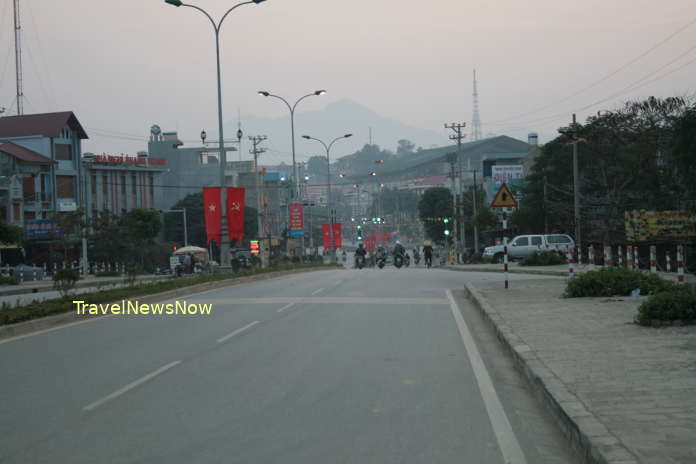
(332, 248)
(292, 129)
(183, 211)
(224, 242)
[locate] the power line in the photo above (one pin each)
(599, 81)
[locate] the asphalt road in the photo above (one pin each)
(341, 366)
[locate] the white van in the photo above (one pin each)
(524, 245)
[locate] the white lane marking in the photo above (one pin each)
(317, 291)
(39, 332)
(287, 306)
(507, 441)
(130, 386)
(237, 332)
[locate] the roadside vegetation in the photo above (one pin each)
(12, 314)
(668, 303)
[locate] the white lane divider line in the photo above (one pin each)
(287, 306)
(507, 441)
(237, 332)
(130, 386)
(317, 291)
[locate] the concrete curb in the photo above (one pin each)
(28, 289)
(511, 271)
(49, 322)
(587, 435)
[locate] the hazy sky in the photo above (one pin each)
(124, 65)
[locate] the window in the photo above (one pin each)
(563, 239)
(536, 241)
(63, 152)
(29, 215)
(65, 185)
(16, 212)
(522, 241)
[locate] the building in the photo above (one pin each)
(188, 170)
(121, 183)
(41, 164)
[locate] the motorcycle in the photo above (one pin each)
(360, 262)
(398, 261)
(381, 261)
(407, 260)
(416, 259)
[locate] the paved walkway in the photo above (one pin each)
(623, 393)
(46, 285)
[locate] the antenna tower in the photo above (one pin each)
(18, 59)
(476, 118)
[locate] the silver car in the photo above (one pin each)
(525, 245)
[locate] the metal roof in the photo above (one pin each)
(23, 154)
(46, 124)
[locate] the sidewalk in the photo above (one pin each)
(559, 270)
(622, 393)
(37, 286)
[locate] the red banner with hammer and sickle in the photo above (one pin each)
(235, 214)
(212, 213)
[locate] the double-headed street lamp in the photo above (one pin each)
(332, 248)
(224, 245)
(292, 129)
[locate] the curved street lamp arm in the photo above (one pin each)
(205, 13)
(291, 108)
(327, 148)
(229, 11)
(300, 99)
(334, 141)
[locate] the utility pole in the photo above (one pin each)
(546, 218)
(459, 224)
(452, 160)
(256, 151)
(18, 59)
(573, 132)
(474, 202)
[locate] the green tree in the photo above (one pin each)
(404, 147)
(316, 166)
(10, 233)
(433, 207)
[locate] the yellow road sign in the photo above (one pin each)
(504, 198)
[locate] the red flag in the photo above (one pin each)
(337, 235)
(325, 234)
(235, 214)
(212, 213)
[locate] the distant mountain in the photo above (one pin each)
(336, 119)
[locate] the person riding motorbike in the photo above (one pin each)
(416, 255)
(381, 257)
(399, 249)
(344, 256)
(428, 254)
(360, 252)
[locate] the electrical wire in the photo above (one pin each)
(603, 79)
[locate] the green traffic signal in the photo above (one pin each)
(446, 220)
(447, 232)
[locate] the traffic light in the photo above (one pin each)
(174, 248)
(360, 236)
(447, 231)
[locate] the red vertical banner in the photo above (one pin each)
(325, 234)
(385, 237)
(212, 213)
(235, 214)
(296, 215)
(337, 229)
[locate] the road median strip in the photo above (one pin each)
(587, 435)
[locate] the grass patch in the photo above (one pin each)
(10, 314)
(543, 258)
(674, 307)
(615, 281)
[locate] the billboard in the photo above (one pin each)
(296, 215)
(642, 225)
(511, 175)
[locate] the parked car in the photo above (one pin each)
(525, 245)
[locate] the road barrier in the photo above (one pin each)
(590, 257)
(668, 261)
(607, 256)
(680, 264)
(569, 258)
(619, 256)
(653, 259)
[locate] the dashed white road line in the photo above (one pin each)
(507, 440)
(130, 386)
(287, 306)
(237, 332)
(317, 291)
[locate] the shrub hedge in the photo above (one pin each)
(543, 258)
(675, 306)
(615, 281)
(12, 314)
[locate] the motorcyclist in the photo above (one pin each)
(416, 254)
(428, 254)
(381, 252)
(360, 251)
(344, 255)
(399, 249)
